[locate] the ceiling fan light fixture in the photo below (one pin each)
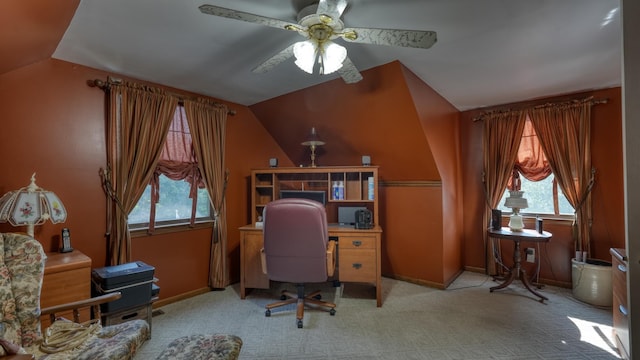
(333, 56)
(305, 53)
(320, 22)
(327, 54)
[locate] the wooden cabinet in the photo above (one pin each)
(620, 309)
(251, 275)
(360, 184)
(358, 260)
(67, 278)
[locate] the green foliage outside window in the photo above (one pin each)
(539, 195)
(174, 204)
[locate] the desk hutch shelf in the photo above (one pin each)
(266, 185)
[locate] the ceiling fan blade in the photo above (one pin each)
(405, 38)
(252, 18)
(275, 60)
(349, 72)
(333, 8)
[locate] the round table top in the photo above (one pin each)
(524, 234)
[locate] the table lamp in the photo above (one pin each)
(515, 201)
(30, 206)
(312, 141)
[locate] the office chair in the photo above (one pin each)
(297, 250)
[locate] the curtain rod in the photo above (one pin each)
(104, 85)
(559, 103)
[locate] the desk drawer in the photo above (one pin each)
(357, 265)
(620, 279)
(357, 242)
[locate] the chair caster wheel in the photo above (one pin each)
(267, 313)
(332, 312)
(299, 324)
(283, 297)
(318, 297)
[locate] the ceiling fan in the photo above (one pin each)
(320, 23)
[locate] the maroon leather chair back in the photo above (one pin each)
(295, 240)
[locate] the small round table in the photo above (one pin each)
(516, 270)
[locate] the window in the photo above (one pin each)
(540, 198)
(543, 194)
(174, 207)
(177, 173)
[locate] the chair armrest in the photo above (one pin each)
(94, 303)
(331, 257)
(263, 261)
(12, 350)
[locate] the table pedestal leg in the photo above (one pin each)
(512, 276)
(529, 286)
(517, 272)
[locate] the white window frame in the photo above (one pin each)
(530, 212)
(182, 220)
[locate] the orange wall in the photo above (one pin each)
(412, 246)
(607, 197)
(375, 117)
(440, 121)
(54, 124)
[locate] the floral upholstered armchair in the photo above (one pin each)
(22, 262)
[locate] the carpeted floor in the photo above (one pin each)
(465, 321)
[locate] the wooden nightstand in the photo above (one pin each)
(67, 278)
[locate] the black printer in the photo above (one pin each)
(134, 280)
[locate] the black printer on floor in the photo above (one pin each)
(134, 280)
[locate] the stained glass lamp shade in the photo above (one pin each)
(30, 206)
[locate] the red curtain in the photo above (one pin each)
(531, 161)
(177, 162)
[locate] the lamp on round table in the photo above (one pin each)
(516, 202)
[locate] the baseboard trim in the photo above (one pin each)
(417, 281)
(550, 282)
(562, 284)
(475, 269)
(189, 294)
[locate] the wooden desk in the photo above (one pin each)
(517, 271)
(358, 257)
(67, 278)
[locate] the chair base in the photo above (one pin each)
(301, 300)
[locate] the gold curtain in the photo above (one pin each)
(138, 121)
(501, 140)
(207, 123)
(564, 131)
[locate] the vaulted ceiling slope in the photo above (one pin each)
(488, 52)
(376, 117)
(30, 30)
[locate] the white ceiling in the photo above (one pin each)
(488, 52)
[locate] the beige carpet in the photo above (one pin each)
(465, 321)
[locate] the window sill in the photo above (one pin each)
(548, 217)
(168, 229)
(545, 217)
